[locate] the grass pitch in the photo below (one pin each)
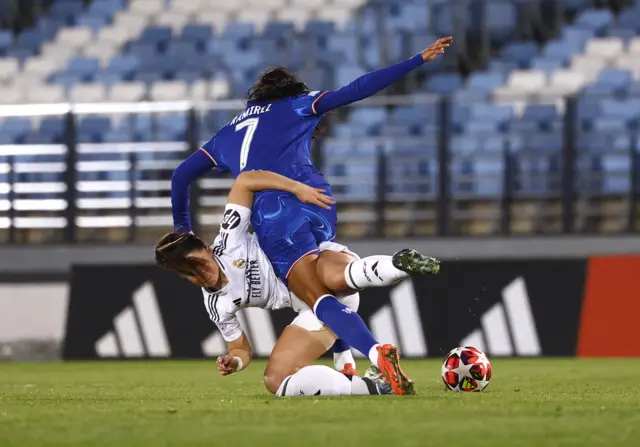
(536, 402)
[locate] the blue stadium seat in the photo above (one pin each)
(521, 53)
(547, 64)
(544, 142)
(93, 22)
(67, 80)
(576, 36)
(562, 49)
(465, 144)
(93, 129)
(525, 127)
(625, 110)
(610, 125)
(67, 11)
(485, 81)
(158, 36)
(53, 127)
(198, 35)
(109, 78)
(6, 40)
(616, 173)
(238, 30)
(622, 32)
(615, 78)
(278, 30)
(542, 113)
(29, 40)
(105, 8)
(629, 19)
(501, 66)
(346, 44)
(491, 112)
(83, 67)
(347, 73)
(142, 50)
(443, 19)
(368, 116)
(596, 20)
(444, 83)
(319, 28)
(149, 77)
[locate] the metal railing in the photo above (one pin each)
(427, 184)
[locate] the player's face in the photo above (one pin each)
(208, 270)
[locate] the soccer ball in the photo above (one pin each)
(466, 369)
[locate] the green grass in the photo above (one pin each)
(529, 403)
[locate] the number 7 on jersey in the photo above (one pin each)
(251, 125)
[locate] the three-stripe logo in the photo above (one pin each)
(508, 328)
(399, 322)
(138, 330)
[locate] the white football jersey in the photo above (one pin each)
(251, 281)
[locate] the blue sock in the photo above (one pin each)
(345, 323)
(340, 346)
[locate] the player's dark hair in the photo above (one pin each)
(173, 250)
(277, 83)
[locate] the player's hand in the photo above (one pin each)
(314, 196)
(436, 49)
(226, 365)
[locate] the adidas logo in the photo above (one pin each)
(138, 330)
(374, 268)
(399, 323)
(508, 327)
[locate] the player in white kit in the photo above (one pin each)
(235, 273)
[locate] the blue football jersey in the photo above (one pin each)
(273, 136)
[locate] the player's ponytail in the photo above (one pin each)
(173, 252)
(278, 83)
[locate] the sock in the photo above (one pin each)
(320, 380)
(346, 324)
(342, 355)
(373, 271)
(341, 350)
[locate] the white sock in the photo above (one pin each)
(342, 358)
(320, 380)
(373, 354)
(372, 271)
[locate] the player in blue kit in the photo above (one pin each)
(274, 133)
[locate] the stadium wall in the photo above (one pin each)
(525, 302)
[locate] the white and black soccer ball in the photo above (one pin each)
(466, 369)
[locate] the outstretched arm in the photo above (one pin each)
(198, 164)
(373, 82)
(249, 182)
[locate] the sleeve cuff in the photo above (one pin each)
(417, 60)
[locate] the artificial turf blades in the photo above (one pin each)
(537, 402)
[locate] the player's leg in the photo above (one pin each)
(289, 233)
(340, 270)
(295, 349)
(342, 355)
(320, 380)
(289, 372)
(347, 324)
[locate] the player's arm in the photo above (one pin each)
(250, 182)
(372, 83)
(238, 358)
(223, 314)
(194, 167)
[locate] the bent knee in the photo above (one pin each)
(273, 380)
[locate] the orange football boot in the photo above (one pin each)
(389, 365)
